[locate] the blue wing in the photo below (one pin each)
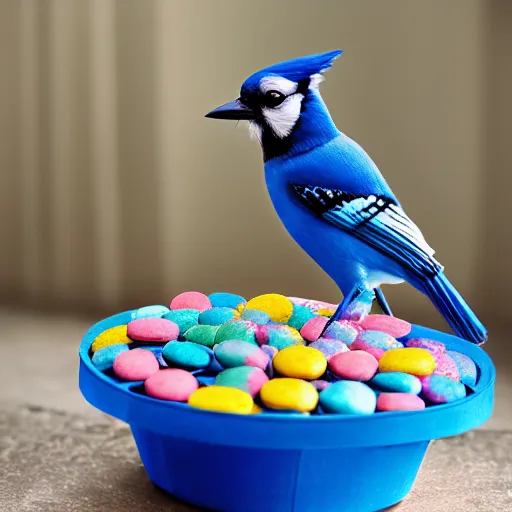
(378, 221)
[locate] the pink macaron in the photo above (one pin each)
(399, 402)
(446, 366)
(374, 351)
(136, 364)
(434, 347)
(388, 324)
(171, 384)
(191, 300)
(354, 365)
(313, 328)
(153, 329)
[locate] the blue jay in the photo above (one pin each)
(332, 198)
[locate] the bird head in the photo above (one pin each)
(275, 99)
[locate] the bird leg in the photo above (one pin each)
(383, 303)
(354, 306)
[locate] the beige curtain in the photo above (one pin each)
(115, 191)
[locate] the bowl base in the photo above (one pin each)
(233, 479)
(281, 462)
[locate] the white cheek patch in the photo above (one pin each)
(282, 118)
(278, 83)
(254, 130)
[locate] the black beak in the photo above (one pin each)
(234, 110)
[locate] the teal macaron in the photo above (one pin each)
(185, 354)
(103, 358)
(237, 330)
(226, 300)
(247, 378)
(256, 316)
(150, 311)
(184, 318)
(232, 353)
(300, 315)
(202, 334)
(217, 316)
(397, 382)
(348, 397)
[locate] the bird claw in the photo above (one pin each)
(355, 306)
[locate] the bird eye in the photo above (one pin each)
(274, 98)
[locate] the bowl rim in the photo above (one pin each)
(288, 430)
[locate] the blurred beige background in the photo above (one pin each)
(115, 192)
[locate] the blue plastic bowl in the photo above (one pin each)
(284, 462)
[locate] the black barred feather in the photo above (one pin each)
(377, 221)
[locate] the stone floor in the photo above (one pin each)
(54, 461)
(57, 453)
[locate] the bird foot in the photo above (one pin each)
(383, 303)
(355, 306)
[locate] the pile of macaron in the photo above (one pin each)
(271, 354)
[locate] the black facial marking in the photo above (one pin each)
(248, 100)
(274, 146)
(303, 86)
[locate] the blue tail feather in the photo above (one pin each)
(455, 310)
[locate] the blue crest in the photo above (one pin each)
(295, 69)
(303, 67)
